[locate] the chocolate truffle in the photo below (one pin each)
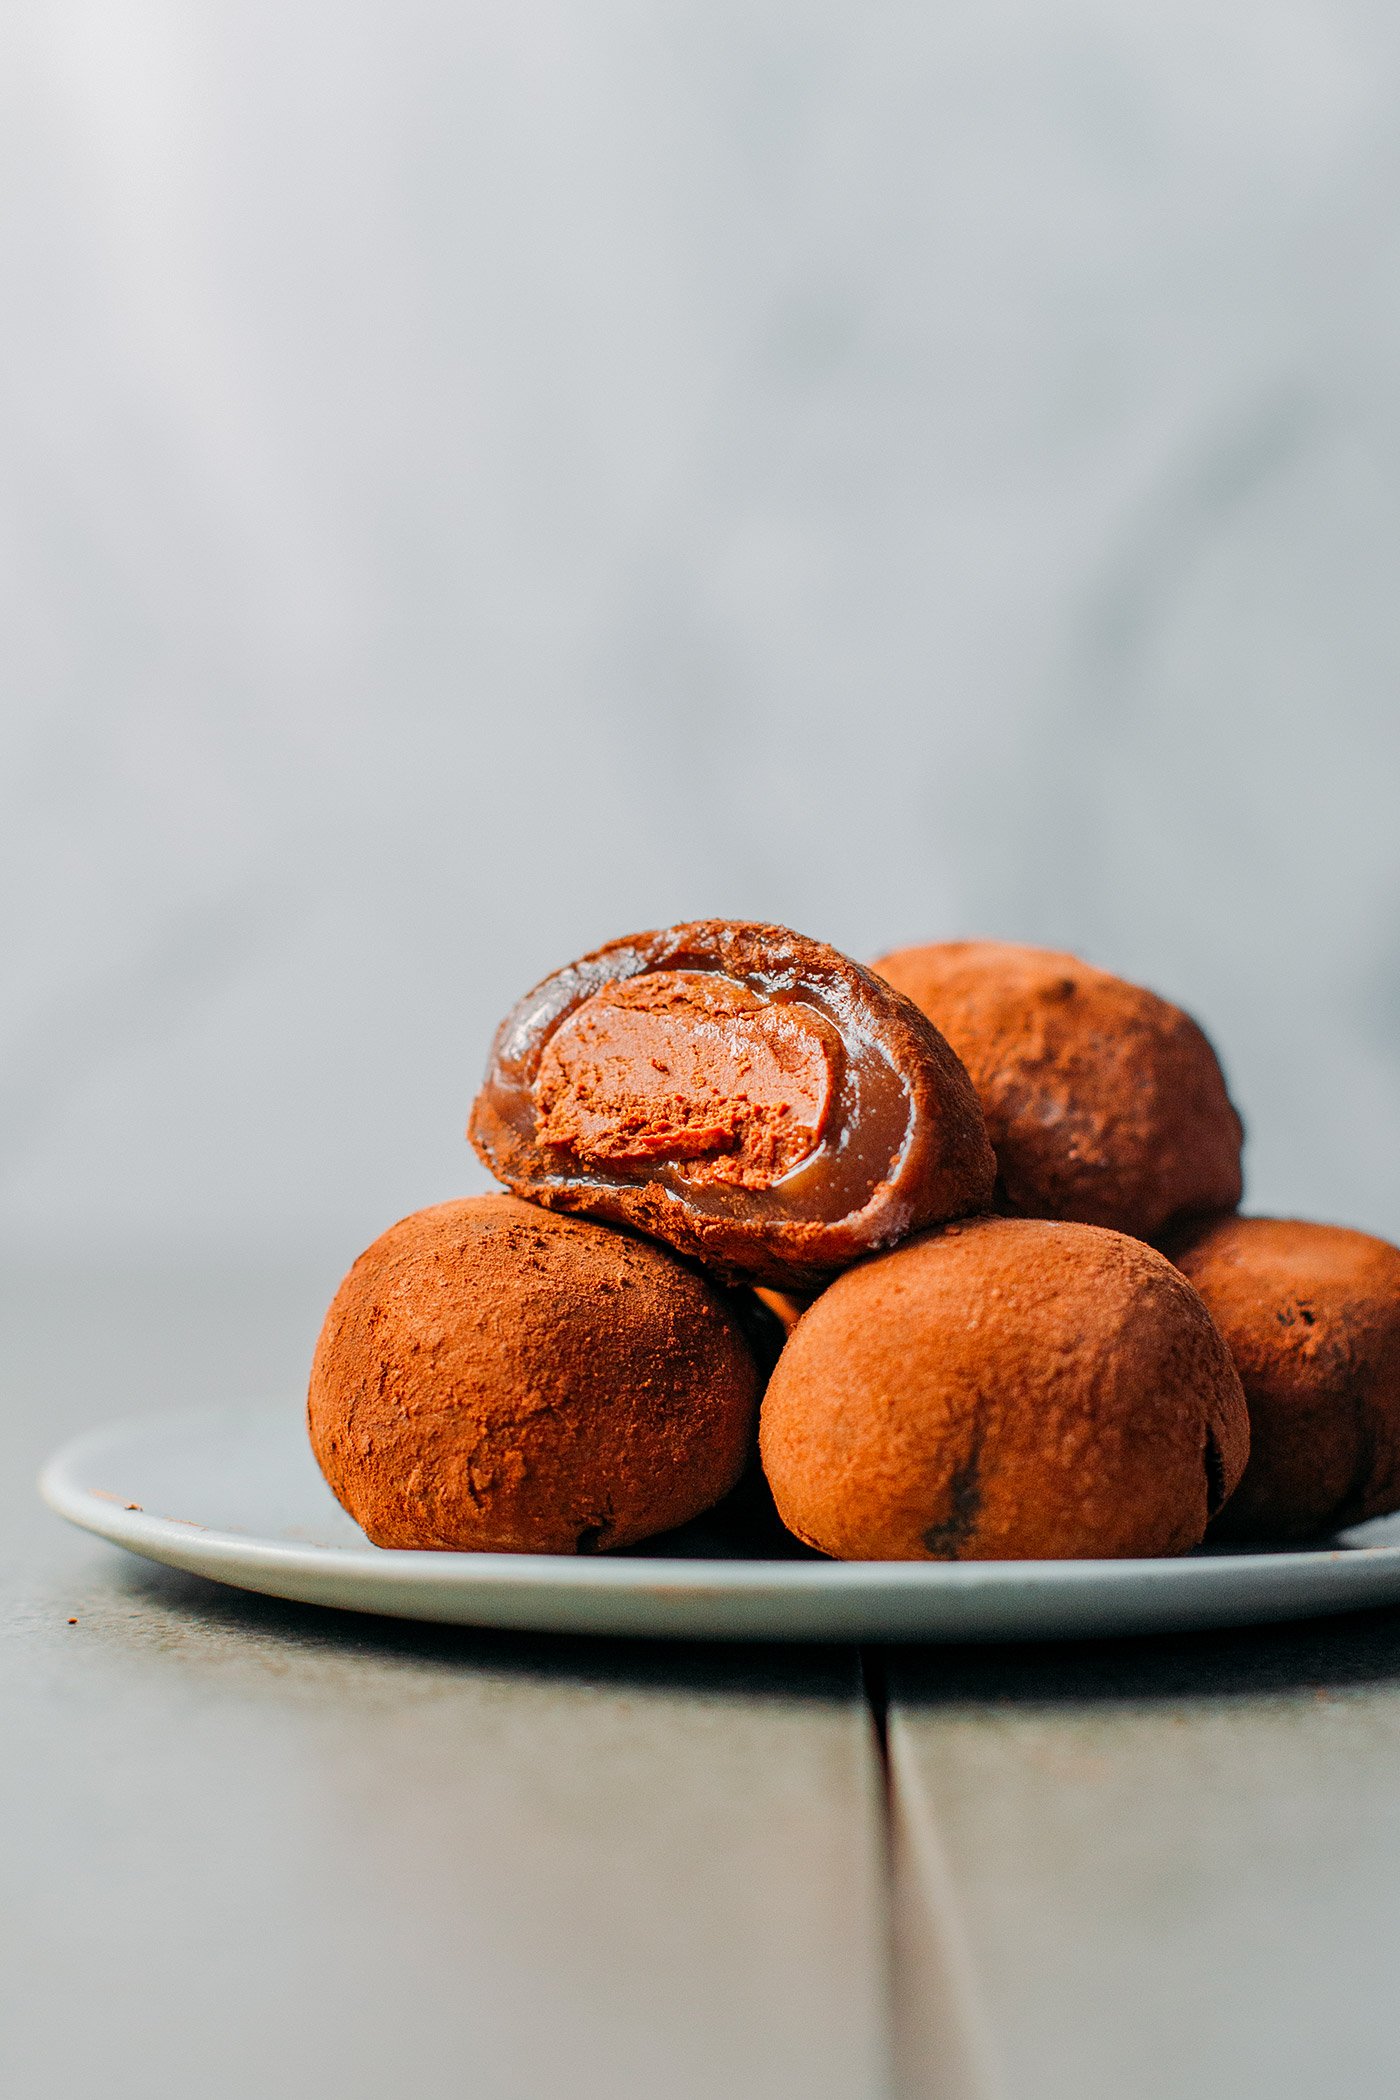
(1104, 1103)
(755, 1099)
(491, 1377)
(1311, 1314)
(1006, 1389)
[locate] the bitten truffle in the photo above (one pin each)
(1004, 1389)
(494, 1377)
(1311, 1314)
(1105, 1104)
(753, 1098)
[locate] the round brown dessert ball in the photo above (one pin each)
(1311, 1315)
(1005, 1389)
(1104, 1103)
(753, 1098)
(494, 1377)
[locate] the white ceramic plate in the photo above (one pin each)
(235, 1495)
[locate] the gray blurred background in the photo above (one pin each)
(482, 478)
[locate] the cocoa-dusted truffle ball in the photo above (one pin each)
(1103, 1102)
(494, 1377)
(1311, 1314)
(751, 1097)
(1005, 1389)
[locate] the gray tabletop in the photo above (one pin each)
(258, 1849)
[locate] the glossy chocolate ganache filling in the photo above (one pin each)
(753, 1098)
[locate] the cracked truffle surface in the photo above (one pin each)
(493, 1377)
(1311, 1315)
(1105, 1104)
(1004, 1389)
(753, 1098)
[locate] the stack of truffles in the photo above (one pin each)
(948, 1244)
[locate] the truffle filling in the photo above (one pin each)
(693, 1069)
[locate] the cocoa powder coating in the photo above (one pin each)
(752, 1098)
(1004, 1389)
(493, 1377)
(1311, 1314)
(1104, 1103)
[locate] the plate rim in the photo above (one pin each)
(90, 1510)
